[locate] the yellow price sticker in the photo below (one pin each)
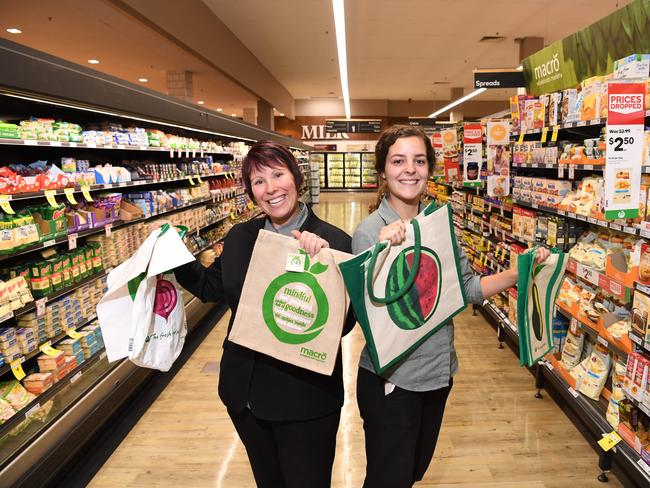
(191, 180)
(609, 440)
(556, 128)
(73, 334)
(250, 205)
(49, 195)
(198, 178)
(5, 205)
(85, 190)
(521, 137)
(17, 368)
(544, 133)
(69, 194)
(48, 350)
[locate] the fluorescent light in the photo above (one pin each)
(519, 68)
(458, 102)
(142, 80)
(281, 115)
(219, 110)
(339, 23)
(200, 102)
(93, 61)
(14, 30)
(233, 115)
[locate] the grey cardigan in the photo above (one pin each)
(434, 362)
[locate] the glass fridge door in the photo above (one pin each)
(368, 173)
(319, 158)
(335, 170)
(352, 170)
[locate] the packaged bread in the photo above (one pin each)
(597, 372)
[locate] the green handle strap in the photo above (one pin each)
(181, 229)
(411, 278)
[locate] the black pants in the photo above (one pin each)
(401, 431)
(289, 454)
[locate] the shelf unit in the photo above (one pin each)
(86, 400)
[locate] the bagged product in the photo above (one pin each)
(403, 294)
(572, 350)
(292, 312)
(142, 315)
(618, 377)
(538, 288)
(597, 372)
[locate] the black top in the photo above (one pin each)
(273, 389)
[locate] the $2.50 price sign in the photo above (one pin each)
(625, 117)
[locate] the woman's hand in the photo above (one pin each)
(542, 255)
(395, 233)
(311, 243)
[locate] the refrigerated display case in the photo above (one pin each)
(368, 173)
(319, 159)
(346, 171)
(352, 170)
(335, 171)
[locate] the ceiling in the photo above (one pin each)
(397, 49)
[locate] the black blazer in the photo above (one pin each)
(274, 390)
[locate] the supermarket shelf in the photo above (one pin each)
(602, 223)
(596, 278)
(592, 416)
(501, 320)
(639, 342)
(571, 125)
(121, 147)
(30, 409)
(114, 186)
(577, 167)
(6, 368)
(98, 230)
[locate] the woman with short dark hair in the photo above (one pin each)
(287, 417)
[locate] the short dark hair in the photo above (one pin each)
(269, 154)
(388, 137)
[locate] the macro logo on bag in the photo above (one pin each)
(413, 309)
(294, 306)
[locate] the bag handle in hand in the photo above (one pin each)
(411, 278)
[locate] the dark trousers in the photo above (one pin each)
(401, 431)
(296, 454)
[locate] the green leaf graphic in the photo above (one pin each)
(318, 268)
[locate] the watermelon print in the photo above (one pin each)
(413, 310)
(166, 298)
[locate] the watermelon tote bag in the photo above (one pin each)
(403, 294)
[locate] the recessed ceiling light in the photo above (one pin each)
(93, 61)
(234, 115)
(200, 102)
(219, 110)
(14, 30)
(281, 115)
(142, 80)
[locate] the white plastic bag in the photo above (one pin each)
(142, 315)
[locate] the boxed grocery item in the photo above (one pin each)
(38, 383)
(569, 106)
(515, 113)
(554, 109)
(558, 187)
(524, 224)
(640, 313)
(636, 375)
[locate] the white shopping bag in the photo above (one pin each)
(142, 315)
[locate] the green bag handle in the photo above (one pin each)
(181, 229)
(411, 278)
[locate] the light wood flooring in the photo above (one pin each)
(495, 433)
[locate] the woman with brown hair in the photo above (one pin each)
(402, 409)
(287, 417)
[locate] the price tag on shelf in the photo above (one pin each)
(614, 226)
(91, 144)
(556, 129)
(572, 171)
(644, 466)
(629, 230)
(30, 142)
(120, 146)
(581, 123)
(643, 288)
(40, 306)
(574, 325)
(573, 392)
(49, 195)
(591, 220)
(143, 148)
(72, 144)
(636, 339)
(544, 134)
(644, 409)
(193, 153)
(5, 205)
(48, 350)
(603, 341)
(609, 440)
(108, 229)
(85, 191)
(250, 205)
(55, 143)
(171, 153)
(587, 274)
(17, 368)
(69, 194)
(75, 377)
(49, 243)
(191, 180)
(73, 334)
(521, 137)
(72, 242)
(232, 215)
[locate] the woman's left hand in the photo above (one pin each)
(542, 254)
(311, 243)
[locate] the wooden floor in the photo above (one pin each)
(495, 433)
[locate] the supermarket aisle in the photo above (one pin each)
(495, 433)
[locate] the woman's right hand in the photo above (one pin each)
(395, 233)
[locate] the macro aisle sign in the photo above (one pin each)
(624, 153)
(590, 51)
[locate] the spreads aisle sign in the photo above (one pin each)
(624, 150)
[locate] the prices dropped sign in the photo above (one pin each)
(624, 139)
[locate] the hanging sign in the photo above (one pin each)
(472, 154)
(504, 78)
(439, 165)
(624, 153)
(498, 132)
(498, 158)
(450, 155)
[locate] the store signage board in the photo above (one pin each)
(325, 147)
(624, 153)
(472, 154)
(505, 78)
(423, 121)
(354, 126)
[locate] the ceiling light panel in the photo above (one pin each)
(339, 23)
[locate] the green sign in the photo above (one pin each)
(591, 51)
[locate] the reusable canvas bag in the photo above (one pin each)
(142, 315)
(403, 294)
(294, 316)
(537, 290)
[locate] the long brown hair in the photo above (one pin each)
(386, 139)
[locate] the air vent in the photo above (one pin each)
(492, 39)
(440, 82)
